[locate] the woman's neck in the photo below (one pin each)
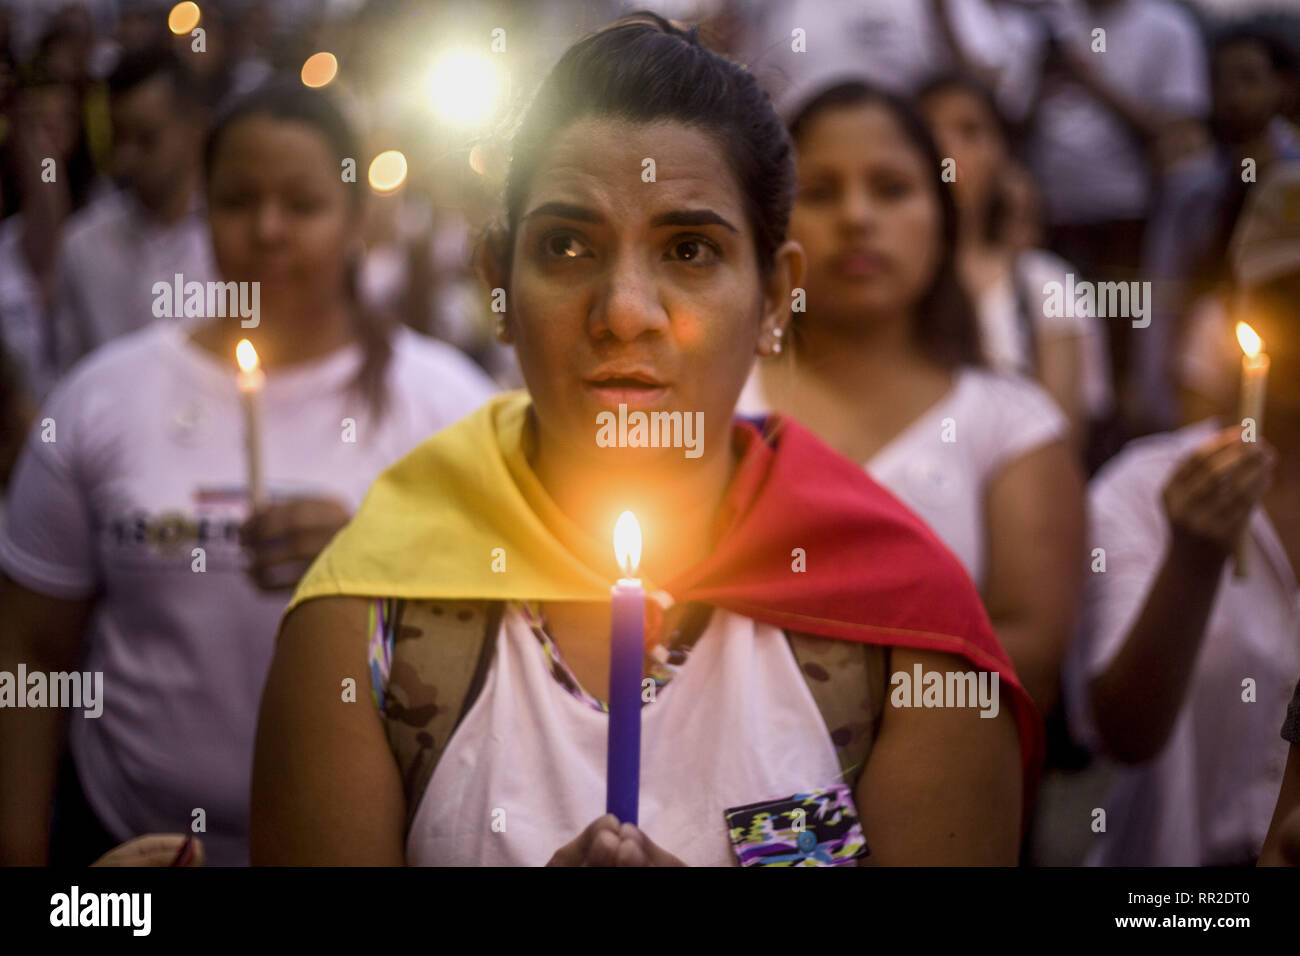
(853, 358)
(286, 338)
(675, 504)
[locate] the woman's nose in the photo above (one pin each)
(269, 223)
(856, 209)
(630, 305)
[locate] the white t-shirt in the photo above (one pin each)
(1210, 359)
(1003, 339)
(1092, 167)
(531, 748)
(112, 253)
(1206, 799)
(941, 464)
(895, 45)
(148, 463)
(22, 313)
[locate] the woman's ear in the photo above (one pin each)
(490, 256)
(489, 259)
(782, 293)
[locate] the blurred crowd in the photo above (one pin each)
(1092, 141)
(1111, 163)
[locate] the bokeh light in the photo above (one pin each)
(319, 70)
(184, 17)
(464, 88)
(387, 171)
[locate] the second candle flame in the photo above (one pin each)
(1248, 339)
(627, 543)
(246, 355)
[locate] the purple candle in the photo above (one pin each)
(626, 660)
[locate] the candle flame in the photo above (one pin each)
(1249, 340)
(627, 543)
(246, 355)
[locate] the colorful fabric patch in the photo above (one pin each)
(817, 828)
(379, 652)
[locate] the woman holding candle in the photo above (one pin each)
(654, 295)
(1182, 669)
(128, 507)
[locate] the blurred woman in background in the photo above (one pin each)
(127, 509)
(885, 366)
(1067, 353)
(1182, 668)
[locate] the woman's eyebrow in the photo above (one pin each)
(565, 210)
(691, 217)
(676, 217)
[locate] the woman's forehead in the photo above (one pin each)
(861, 132)
(274, 150)
(628, 170)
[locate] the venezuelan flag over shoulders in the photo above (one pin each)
(875, 572)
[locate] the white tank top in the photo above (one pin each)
(735, 726)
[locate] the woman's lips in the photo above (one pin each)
(858, 265)
(614, 393)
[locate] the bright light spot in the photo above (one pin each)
(183, 18)
(246, 355)
(1248, 339)
(464, 88)
(387, 171)
(627, 543)
(476, 161)
(319, 70)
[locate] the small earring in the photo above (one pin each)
(501, 330)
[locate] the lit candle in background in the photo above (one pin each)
(626, 662)
(250, 380)
(1254, 383)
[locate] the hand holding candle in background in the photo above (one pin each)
(1254, 384)
(285, 537)
(250, 380)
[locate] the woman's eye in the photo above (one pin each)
(893, 188)
(231, 200)
(564, 246)
(695, 250)
(816, 193)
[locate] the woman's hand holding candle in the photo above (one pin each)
(156, 849)
(606, 842)
(1209, 497)
(250, 381)
(1254, 386)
